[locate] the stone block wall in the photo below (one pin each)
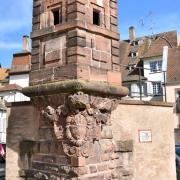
(75, 48)
(75, 139)
(66, 137)
(154, 159)
(72, 10)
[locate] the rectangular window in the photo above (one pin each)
(134, 90)
(155, 66)
(129, 88)
(96, 18)
(134, 54)
(159, 65)
(157, 89)
(144, 89)
(56, 16)
(152, 66)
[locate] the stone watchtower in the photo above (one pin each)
(75, 39)
(75, 83)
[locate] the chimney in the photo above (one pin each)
(25, 43)
(131, 33)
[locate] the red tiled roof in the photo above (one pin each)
(164, 39)
(148, 46)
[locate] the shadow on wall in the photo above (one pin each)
(28, 134)
(22, 125)
(157, 98)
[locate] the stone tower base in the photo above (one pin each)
(75, 139)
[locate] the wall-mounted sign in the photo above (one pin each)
(145, 136)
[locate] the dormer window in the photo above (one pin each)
(56, 16)
(135, 43)
(131, 68)
(155, 66)
(96, 17)
(134, 54)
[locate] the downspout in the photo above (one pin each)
(164, 69)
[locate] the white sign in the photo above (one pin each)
(145, 136)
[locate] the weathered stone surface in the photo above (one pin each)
(74, 86)
(76, 122)
(75, 139)
(83, 121)
(75, 29)
(133, 116)
(124, 146)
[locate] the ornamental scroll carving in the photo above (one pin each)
(79, 121)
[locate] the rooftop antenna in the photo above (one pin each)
(148, 22)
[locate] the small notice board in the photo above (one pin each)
(145, 136)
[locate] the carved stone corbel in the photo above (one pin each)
(84, 119)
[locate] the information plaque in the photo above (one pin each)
(145, 136)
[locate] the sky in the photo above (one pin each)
(147, 16)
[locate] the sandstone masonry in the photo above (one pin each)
(83, 43)
(75, 83)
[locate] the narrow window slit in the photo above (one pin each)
(56, 16)
(96, 18)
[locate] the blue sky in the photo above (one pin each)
(148, 16)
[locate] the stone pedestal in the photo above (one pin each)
(75, 136)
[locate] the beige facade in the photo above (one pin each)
(152, 160)
(171, 92)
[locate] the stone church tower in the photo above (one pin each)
(75, 39)
(75, 84)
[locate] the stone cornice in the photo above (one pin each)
(146, 103)
(71, 86)
(73, 25)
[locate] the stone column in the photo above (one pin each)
(75, 135)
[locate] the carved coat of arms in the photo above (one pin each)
(83, 117)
